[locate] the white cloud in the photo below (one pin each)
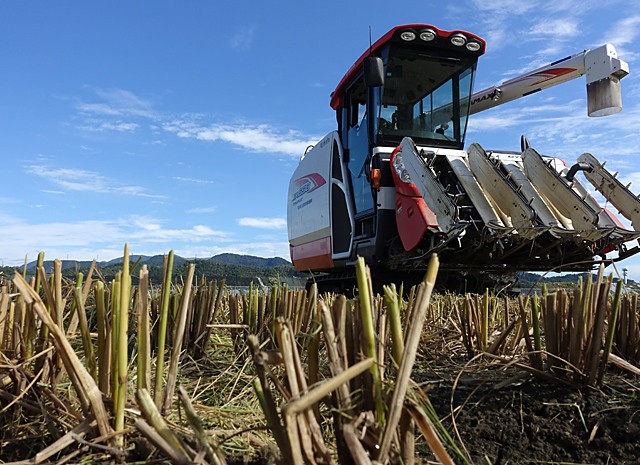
(61, 239)
(198, 210)
(494, 19)
(116, 105)
(116, 110)
(263, 223)
(509, 22)
(192, 180)
(88, 239)
(118, 102)
(105, 239)
(504, 7)
(85, 181)
(71, 179)
(623, 33)
(101, 126)
(564, 131)
(570, 6)
(512, 114)
(243, 38)
(556, 28)
(255, 138)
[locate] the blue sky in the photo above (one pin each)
(176, 125)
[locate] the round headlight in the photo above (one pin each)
(408, 36)
(428, 35)
(398, 162)
(458, 40)
(473, 46)
(401, 171)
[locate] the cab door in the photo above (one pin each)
(342, 213)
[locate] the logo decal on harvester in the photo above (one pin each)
(307, 184)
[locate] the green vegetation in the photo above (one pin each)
(235, 270)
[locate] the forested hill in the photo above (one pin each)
(248, 260)
(236, 270)
(528, 280)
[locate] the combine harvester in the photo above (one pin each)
(394, 184)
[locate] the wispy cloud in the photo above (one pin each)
(104, 239)
(199, 210)
(117, 102)
(515, 7)
(562, 132)
(556, 28)
(263, 223)
(192, 180)
(512, 115)
(243, 38)
(63, 239)
(85, 181)
(623, 33)
(494, 16)
(559, 20)
(102, 126)
(113, 110)
(152, 230)
(255, 138)
(120, 110)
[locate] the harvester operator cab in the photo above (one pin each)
(414, 82)
(426, 96)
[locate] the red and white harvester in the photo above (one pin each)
(394, 183)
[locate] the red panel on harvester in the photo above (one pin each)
(314, 255)
(413, 217)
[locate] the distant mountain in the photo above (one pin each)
(248, 260)
(66, 264)
(158, 260)
(234, 269)
(536, 279)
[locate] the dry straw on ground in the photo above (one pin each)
(289, 374)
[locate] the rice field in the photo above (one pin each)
(186, 371)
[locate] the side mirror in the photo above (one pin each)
(373, 71)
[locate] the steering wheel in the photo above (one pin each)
(384, 124)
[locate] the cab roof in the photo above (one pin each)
(441, 39)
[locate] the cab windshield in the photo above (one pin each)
(425, 96)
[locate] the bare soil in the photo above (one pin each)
(536, 421)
